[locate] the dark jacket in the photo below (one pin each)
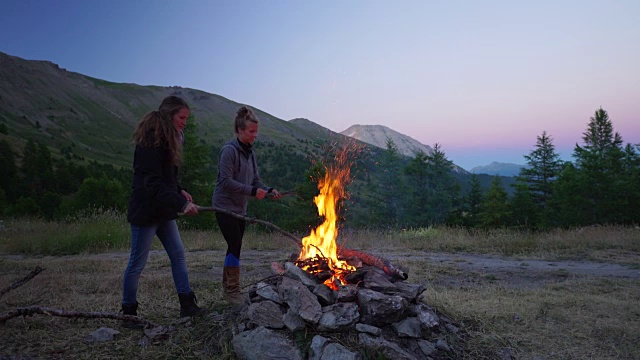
(155, 195)
(238, 177)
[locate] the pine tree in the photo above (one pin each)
(568, 201)
(543, 167)
(64, 180)
(445, 197)
(600, 161)
(304, 212)
(100, 193)
(31, 174)
(495, 207)
(419, 213)
(524, 212)
(9, 173)
(195, 173)
(631, 184)
(385, 199)
(45, 167)
(473, 203)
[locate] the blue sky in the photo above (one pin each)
(482, 78)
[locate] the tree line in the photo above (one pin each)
(600, 186)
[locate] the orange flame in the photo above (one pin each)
(321, 243)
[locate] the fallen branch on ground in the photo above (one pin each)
(31, 310)
(23, 281)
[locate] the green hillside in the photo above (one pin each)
(94, 119)
(89, 121)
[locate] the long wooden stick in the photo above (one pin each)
(252, 220)
(22, 281)
(31, 310)
(368, 259)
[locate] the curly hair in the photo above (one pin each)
(160, 123)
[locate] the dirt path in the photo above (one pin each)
(448, 269)
(443, 269)
(522, 273)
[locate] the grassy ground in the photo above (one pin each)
(568, 317)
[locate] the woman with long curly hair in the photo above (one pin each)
(156, 200)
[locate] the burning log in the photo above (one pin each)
(378, 262)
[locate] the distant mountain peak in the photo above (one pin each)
(377, 135)
(498, 168)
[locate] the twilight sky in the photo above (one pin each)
(482, 78)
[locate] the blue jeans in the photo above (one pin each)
(141, 240)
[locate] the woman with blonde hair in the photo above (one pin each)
(238, 179)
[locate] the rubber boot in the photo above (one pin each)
(131, 309)
(189, 306)
(231, 285)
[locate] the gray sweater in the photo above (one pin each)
(238, 178)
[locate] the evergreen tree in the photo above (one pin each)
(495, 207)
(4, 203)
(9, 173)
(600, 161)
(195, 173)
(445, 196)
(419, 213)
(568, 201)
(434, 193)
(543, 167)
(24, 206)
(631, 184)
(385, 198)
(50, 205)
(31, 174)
(65, 183)
(45, 166)
(524, 212)
(303, 211)
(473, 203)
(100, 193)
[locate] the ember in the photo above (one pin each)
(319, 252)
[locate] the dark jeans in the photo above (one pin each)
(141, 240)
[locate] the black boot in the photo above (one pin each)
(188, 305)
(131, 309)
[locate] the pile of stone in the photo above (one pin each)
(380, 316)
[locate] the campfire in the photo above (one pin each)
(332, 290)
(319, 251)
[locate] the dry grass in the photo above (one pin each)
(598, 243)
(575, 319)
(569, 318)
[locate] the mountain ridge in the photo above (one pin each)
(95, 118)
(377, 135)
(498, 168)
(84, 118)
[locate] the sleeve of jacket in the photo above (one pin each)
(226, 167)
(150, 164)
